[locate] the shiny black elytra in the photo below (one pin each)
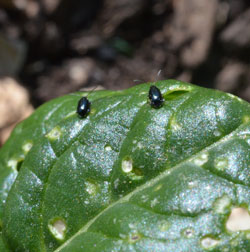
(83, 107)
(155, 97)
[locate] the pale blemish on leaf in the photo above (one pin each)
(238, 220)
(134, 237)
(221, 163)
(27, 146)
(201, 159)
(188, 232)
(174, 125)
(164, 226)
(91, 188)
(158, 187)
(12, 163)
(57, 228)
(192, 184)
(222, 204)
(54, 134)
(139, 145)
(217, 133)
(108, 148)
(209, 242)
(154, 202)
(127, 165)
(15, 164)
(246, 119)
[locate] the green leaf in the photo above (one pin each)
(129, 177)
(3, 247)
(27, 133)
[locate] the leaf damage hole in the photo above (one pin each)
(16, 164)
(54, 134)
(209, 242)
(238, 220)
(19, 164)
(27, 146)
(134, 237)
(108, 148)
(174, 94)
(57, 228)
(91, 187)
(188, 232)
(134, 173)
(127, 164)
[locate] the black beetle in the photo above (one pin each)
(155, 97)
(83, 107)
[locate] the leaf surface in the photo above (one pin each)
(130, 177)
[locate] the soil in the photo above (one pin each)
(53, 47)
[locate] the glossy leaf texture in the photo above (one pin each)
(129, 177)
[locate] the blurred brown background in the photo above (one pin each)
(52, 47)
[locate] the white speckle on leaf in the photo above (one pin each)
(222, 204)
(123, 236)
(144, 198)
(217, 133)
(131, 225)
(221, 163)
(154, 202)
(91, 188)
(208, 187)
(108, 148)
(248, 140)
(201, 159)
(140, 145)
(168, 172)
(116, 183)
(188, 232)
(192, 184)
(164, 226)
